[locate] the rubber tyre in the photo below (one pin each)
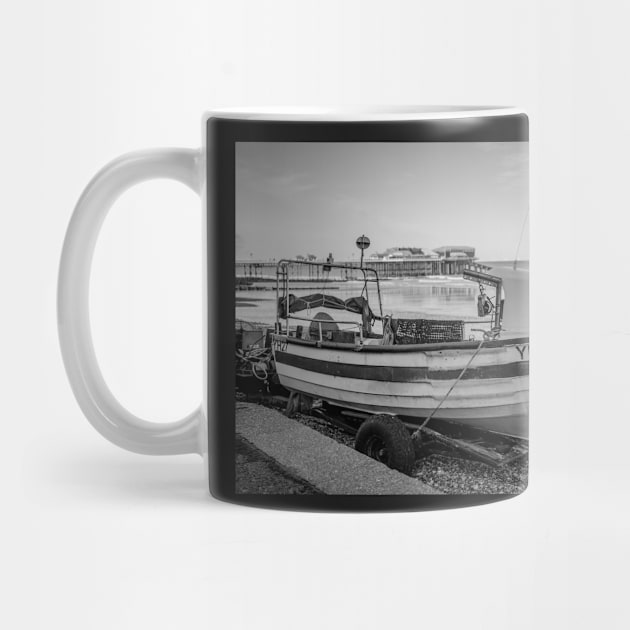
(386, 439)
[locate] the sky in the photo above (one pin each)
(299, 198)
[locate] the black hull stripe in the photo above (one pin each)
(411, 347)
(400, 374)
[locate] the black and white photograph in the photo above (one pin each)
(315, 315)
(381, 317)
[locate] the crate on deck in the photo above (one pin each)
(408, 331)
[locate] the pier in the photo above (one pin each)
(443, 266)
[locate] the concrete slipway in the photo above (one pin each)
(327, 465)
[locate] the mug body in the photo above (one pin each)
(367, 308)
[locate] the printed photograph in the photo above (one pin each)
(381, 318)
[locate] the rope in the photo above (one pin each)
(254, 354)
(260, 366)
(255, 360)
(448, 393)
(520, 238)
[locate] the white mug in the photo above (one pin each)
(380, 353)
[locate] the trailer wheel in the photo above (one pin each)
(385, 439)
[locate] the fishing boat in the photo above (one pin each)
(471, 372)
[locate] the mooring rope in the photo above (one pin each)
(520, 238)
(448, 393)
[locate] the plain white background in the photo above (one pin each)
(94, 537)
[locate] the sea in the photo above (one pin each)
(430, 297)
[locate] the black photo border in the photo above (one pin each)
(222, 134)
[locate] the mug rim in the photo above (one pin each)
(383, 113)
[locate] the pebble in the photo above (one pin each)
(446, 471)
(456, 475)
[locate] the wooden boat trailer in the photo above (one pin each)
(485, 446)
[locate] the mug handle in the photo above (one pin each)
(96, 400)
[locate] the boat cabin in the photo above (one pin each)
(363, 321)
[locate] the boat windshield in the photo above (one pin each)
(289, 273)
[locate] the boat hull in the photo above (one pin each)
(410, 381)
